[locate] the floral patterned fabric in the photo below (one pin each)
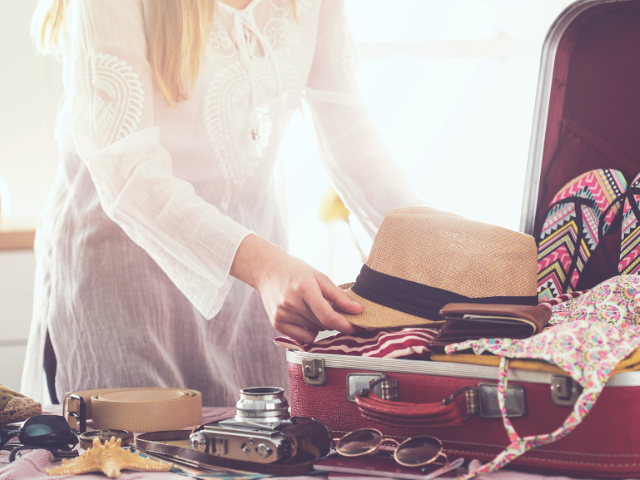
(615, 301)
(589, 340)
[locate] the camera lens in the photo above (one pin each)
(261, 391)
(262, 405)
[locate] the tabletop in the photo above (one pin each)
(31, 465)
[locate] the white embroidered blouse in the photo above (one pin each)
(151, 202)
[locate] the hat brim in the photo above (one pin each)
(378, 316)
(25, 410)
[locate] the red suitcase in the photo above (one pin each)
(587, 117)
(605, 444)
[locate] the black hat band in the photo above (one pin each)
(417, 299)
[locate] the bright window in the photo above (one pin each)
(451, 86)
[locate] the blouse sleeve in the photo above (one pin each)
(359, 164)
(113, 127)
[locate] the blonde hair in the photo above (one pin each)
(176, 50)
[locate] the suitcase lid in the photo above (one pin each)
(587, 111)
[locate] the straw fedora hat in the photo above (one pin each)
(423, 258)
(15, 407)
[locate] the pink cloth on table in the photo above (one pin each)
(31, 466)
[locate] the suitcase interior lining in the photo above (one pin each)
(594, 111)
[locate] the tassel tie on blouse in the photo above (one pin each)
(247, 36)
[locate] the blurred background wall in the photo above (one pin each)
(30, 89)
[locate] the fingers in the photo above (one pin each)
(300, 334)
(313, 297)
(338, 296)
(302, 318)
(292, 309)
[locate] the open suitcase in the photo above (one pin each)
(587, 117)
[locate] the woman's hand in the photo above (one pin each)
(294, 294)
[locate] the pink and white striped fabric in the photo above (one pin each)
(563, 298)
(410, 343)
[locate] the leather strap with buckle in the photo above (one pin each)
(133, 409)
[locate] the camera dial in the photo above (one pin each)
(199, 442)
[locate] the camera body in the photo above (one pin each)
(243, 441)
(262, 431)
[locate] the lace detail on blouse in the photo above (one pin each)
(349, 61)
(282, 30)
(219, 43)
(227, 103)
(250, 93)
(109, 98)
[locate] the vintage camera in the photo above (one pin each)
(262, 431)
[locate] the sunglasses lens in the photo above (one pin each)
(45, 425)
(418, 451)
(359, 442)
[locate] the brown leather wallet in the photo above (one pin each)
(470, 321)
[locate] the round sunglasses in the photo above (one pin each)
(412, 452)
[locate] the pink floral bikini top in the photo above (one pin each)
(589, 336)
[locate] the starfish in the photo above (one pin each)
(109, 459)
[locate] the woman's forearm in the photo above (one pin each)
(252, 259)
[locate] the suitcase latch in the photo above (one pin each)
(489, 407)
(484, 400)
(564, 390)
(313, 371)
(378, 383)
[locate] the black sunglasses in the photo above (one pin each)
(50, 432)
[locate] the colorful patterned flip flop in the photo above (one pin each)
(630, 249)
(572, 226)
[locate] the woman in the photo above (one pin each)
(168, 132)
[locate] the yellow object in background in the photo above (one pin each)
(331, 208)
(330, 212)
